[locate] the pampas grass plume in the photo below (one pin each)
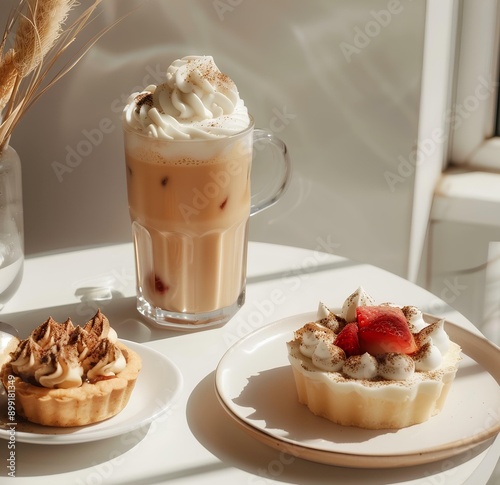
(34, 38)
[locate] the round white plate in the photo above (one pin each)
(157, 386)
(255, 385)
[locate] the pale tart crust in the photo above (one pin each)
(378, 404)
(77, 406)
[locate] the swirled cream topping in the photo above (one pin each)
(64, 370)
(433, 343)
(328, 356)
(104, 360)
(196, 101)
(327, 318)
(99, 326)
(316, 341)
(62, 355)
(311, 335)
(29, 359)
(353, 301)
(363, 366)
(49, 332)
(395, 367)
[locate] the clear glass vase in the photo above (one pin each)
(11, 224)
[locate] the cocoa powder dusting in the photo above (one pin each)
(143, 98)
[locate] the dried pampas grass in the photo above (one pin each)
(8, 74)
(35, 37)
(38, 31)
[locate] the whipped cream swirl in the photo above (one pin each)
(396, 367)
(328, 356)
(362, 366)
(65, 371)
(311, 335)
(433, 343)
(196, 101)
(432, 340)
(62, 355)
(353, 301)
(104, 360)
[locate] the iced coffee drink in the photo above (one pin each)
(188, 148)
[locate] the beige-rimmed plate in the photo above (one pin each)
(255, 386)
(156, 389)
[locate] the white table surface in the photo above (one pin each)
(196, 442)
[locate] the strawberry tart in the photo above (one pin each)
(373, 366)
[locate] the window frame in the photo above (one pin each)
(437, 88)
(463, 36)
(472, 121)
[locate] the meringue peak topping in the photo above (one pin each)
(62, 355)
(50, 332)
(99, 326)
(353, 301)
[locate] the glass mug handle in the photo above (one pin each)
(266, 138)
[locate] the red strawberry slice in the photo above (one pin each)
(348, 340)
(365, 315)
(385, 329)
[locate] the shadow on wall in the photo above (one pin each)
(338, 82)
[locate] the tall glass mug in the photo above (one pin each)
(190, 203)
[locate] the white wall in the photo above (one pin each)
(339, 81)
